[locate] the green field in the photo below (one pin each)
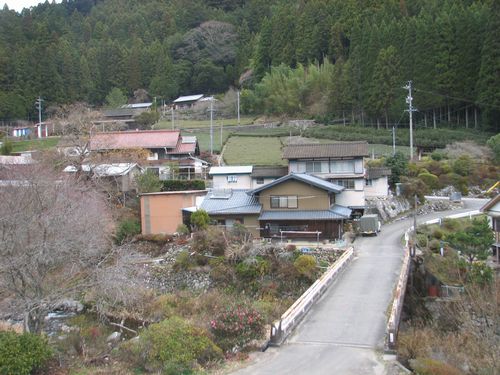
(192, 124)
(253, 151)
(203, 137)
(35, 144)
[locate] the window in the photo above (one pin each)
(284, 201)
(259, 180)
(342, 166)
(232, 179)
(369, 182)
(313, 167)
(345, 182)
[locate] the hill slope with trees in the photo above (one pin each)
(335, 59)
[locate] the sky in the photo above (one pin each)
(18, 5)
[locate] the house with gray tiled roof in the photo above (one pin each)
(341, 163)
(295, 205)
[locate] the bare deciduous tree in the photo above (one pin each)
(54, 237)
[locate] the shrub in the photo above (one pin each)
(179, 185)
(182, 229)
(306, 265)
(463, 165)
(237, 325)
(435, 245)
(182, 261)
(430, 180)
(412, 187)
(209, 241)
(7, 147)
(200, 219)
(437, 233)
(172, 346)
(422, 240)
(127, 229)
(451, 225)
(148, 182)
(428, 366)
(22, 354)
(438, 155)
(252, 268)
(480, 273)
(494, 144)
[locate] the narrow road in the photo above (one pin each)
(344, 332)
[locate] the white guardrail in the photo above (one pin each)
(281, 328)
(397, 304)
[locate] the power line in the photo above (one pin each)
(457, 98)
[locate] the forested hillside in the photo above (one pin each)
(329, 59)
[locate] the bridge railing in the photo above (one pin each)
(281, 328)
(399, 293)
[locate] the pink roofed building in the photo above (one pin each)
(165, 147)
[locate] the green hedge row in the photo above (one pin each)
(433, 138)
(178, 185)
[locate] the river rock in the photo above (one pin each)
(114, 337)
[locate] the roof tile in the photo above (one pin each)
(326, 150)
(135, 139)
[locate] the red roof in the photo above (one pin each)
(135, 139)
(184, 148)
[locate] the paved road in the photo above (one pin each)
(344, 332)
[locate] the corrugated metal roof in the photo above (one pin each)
(373, 173)
(134, 139)
(12, 159)
(105, 170)
(326, 150)
(189, 139)
(137, 105)
(239, 202)
(269, 171)
(306, 178)
(300, 215)
(188, 98)
(119, 112)
(236, 169)
(341, 210)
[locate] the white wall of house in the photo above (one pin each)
(232, 181)
(327, 167)
(352, 197)
(379, 187)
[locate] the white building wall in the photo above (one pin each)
(351, 197)
(379, 188)
(242, 182)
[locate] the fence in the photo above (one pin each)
(281, 328)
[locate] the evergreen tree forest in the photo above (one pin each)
(336, 60)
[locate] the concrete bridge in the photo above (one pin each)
(344, 332)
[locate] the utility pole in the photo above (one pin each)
(238, 96)
(413, 249)
(38, 105)
(173, 126)
(211, 126)
(410, 110)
